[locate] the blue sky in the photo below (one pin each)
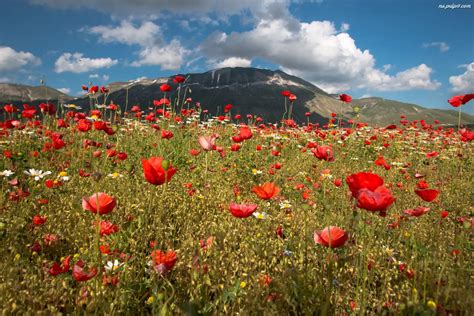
(412, 51)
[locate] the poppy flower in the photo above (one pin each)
(57, 269)
(245, 132)
(266, 191)
(207, 142)
(286, 93)
(323, 153)
(163, 261)
(242, 210)
(459, 100)
(332, 236)
(292, 98)
(155, 172)
(107, 228)
(427, 195)
(104, 90)
(377, 200)
(227, 108)
(80, 275)
(39, 220)
(99, 202)
(179, 79)
(345, 98)
(165, 87)
(94, 89)
(363, 180)
(417, 212)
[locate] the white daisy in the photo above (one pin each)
(112, 266)
(37, 174)
(6, 173)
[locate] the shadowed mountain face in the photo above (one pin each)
(258, 91)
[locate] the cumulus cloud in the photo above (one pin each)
(11, 59)
(232, 62)
(463, 83)
(4, 79)
(317, 51)
(168, 57)
(154, 51)
(77, 63)
(127, 33)
(65, 90)
(443, 47)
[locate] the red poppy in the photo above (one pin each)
(179, 79)
(417, 212)
(165, 87)
(323, 153)
(377, 200)
(292, 98)
(345, 98)
(84, 125)
(104, 90)
(285, 93)
(39, 220)
(444, 214)
(107, 228)
(80, 275)
(266, 191)
(242, 210)
(332, 236)
(57, 269)
(459, 100)
(227, 108)
(157, 170)
(245, 132)
(363, 180)
(100, 202)
(163, 260)
(427, 195)
(94, 89)
(432, 154)
(84, 87)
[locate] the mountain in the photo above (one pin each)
(17, 93)
(257, 91)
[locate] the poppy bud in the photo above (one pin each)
(165, 164)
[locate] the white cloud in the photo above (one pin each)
(154, 51)
(97, 76)
(4, 79)
(75, 62)
(443, 47)
(463, 83)
(232, 62)
(65, 90)
(127, 33)
(168, 57)
(316, 51)
(11, 59)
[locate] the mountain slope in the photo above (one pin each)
(10, 92)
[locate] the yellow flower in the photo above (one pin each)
(63, 174)
(243, 284)
(17, 257)
(150, 300)
(431, 304)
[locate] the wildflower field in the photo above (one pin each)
(169, 210)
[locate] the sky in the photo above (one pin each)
(417, 51)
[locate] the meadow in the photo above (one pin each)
(169, 210)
